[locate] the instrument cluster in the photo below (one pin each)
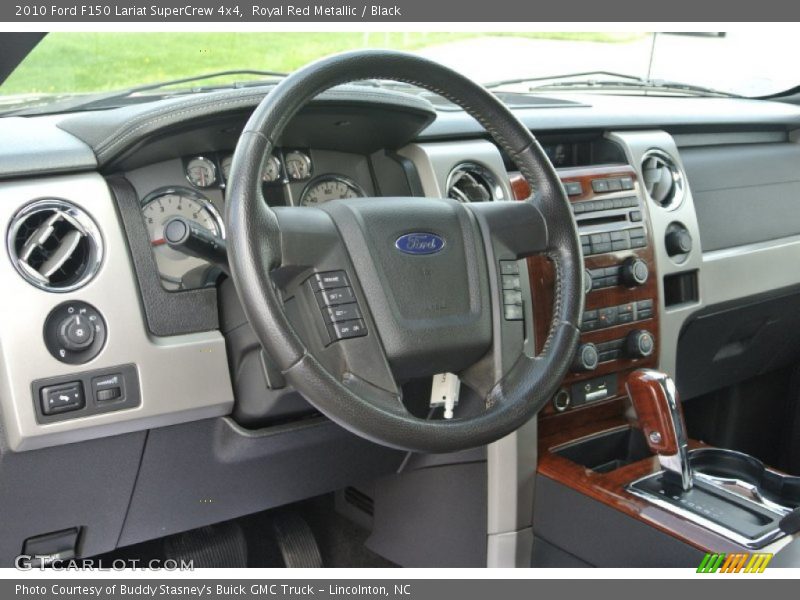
(288, 176)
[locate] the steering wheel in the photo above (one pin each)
(421, 278)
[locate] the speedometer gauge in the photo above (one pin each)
(330, 187)
(178, 270)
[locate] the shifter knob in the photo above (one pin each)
(655, 400)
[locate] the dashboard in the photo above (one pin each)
(196, 404)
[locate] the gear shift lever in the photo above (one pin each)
(655, 400)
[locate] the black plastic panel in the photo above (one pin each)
(212, 470)
(744, 194)
(729, 343)
(167, 313)
(86, 485)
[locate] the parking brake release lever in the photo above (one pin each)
(656, 403)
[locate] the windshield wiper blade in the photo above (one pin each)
(656, 85)
(583, 76)
(108, 99)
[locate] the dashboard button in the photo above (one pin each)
(343, 312)
(614, 184)
(509, 267)
(512, 312)
(335, 297)
(626, 183)
(573, 188)
(347, 329)
(512, 297)
(511, 282)
(330, 280)
(108, 387)
(62, 398)
(600, 185)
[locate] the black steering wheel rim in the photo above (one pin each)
(254, 245)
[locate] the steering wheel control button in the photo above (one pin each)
(347, 329)
(511, 282)
(343, 312)
(108, 388)
(62, 398)
(335, 297)
(512, 290)
(330, 280)
(509, 267)
(74, 332)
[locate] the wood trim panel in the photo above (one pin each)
(542, 280)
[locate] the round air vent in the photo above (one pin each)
(471, 182)
(663, 179)
(54, 245)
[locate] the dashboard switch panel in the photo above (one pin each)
(84, 394)
(512, 290)
(339, 306)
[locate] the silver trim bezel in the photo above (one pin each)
(678, 179)
(214, 170)
(482, 170)
(348, 181)
(78, 217)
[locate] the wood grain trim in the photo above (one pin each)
(652, 409)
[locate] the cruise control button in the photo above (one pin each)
(63, 397)
(513, 312)
(347, 329)
(511, 282)
(343, 312)
(330, 280)
(512, 297)
(509, 267)
(335, 297)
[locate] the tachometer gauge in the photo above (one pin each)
(178, 270)
(330, 187)
(201, 172)
(272, 169)
(298, 165)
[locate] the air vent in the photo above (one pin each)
(54, 245)
(471, 182)
(663, 179)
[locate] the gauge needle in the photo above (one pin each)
(158, 242)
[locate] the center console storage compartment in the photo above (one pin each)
(607, 450)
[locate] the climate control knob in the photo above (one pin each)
(586, 358)
(634, 272)
(640, 344)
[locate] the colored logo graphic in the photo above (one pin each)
(742, 562)
(420, 243)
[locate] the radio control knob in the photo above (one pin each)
(640, 344)
(634, 272)
(586, 358)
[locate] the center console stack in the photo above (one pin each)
(615, 462)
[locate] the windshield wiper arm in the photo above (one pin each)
(638, 84)
(107, 99)
(585, 75)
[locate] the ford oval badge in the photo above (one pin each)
(420, 243)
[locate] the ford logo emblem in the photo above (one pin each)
(420, 243)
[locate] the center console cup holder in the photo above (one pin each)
(606, 451)
(747, 476)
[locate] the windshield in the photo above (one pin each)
(749, 63)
